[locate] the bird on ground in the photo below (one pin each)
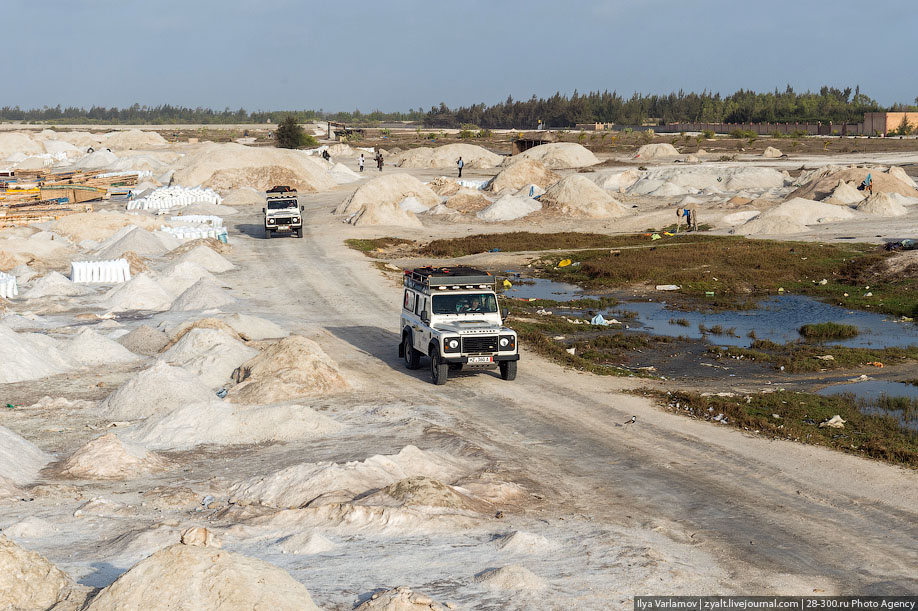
(632, 421)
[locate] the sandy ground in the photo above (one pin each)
(667, 505)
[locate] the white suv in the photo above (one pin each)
(452, 316)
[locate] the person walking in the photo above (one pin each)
(461, 165)
(379, 161)
(360, 162)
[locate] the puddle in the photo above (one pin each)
(776, 319)
(872, 389)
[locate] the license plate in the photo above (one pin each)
(283, 228)
(480, 359)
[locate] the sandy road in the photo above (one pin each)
(779, 516)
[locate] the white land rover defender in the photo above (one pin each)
(452, 316)
(282, 211)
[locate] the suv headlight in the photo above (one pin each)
(296, 219)
(451, 344)
(270, 221)
(507, 343)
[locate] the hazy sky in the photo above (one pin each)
(400, 54)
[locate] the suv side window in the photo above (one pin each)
(409, 300)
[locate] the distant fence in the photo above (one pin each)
(763, 129)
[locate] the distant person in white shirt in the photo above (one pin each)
(461, 164)
(360, 162)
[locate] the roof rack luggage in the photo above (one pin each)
(425, 278)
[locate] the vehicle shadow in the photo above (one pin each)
(383, 344)
(250, 229)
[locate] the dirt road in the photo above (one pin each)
(780, 517)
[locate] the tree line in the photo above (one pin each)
(829, 104)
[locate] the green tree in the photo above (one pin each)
(290, 135)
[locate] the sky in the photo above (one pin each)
(402, 54)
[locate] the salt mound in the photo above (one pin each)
(900, 174)
(29, 356)
(668, 189)
(617, 181)
(157, 390)
(181, 275)
(293, 367)
(808, 212)
(210, 260)
(510, 577)
(144, 340)
(649, 152)
(54, 284)
(443, 186)
(204, 294)
(846, 193)
(96, 160)
(252, 327)
(177, 333)
(108, 457)
(446, 157)
(388, 189)
(305, 543)
(101, 225)
(19, 142)
(231, 166)
(771, 153)
(821, 183)
(82, 140)
(210, 354)
(221, 423)
(142, 292)
(20, 460)
(197, 577)
(342, 174)
(343, 150)
(509, 207)
(530, 191)
(411, 204)
(29, 581)
(522, 173)
(8, 488)
(467, 201)
(881, 204)
(518, 542)
(557, 155)
(422, 491)
(89, 348)
(578, 197)
(132, 139)
(385, 213)
(244, 196)
(29, 528)
(301, 484)
(400, 599)
(738, 218)
(775, 225)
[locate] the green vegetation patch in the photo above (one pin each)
(824, 331)
(370, 245)
(799, 358)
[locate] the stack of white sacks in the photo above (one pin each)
(195, 233)
(100, 271)
(175, 197)
(8, 287)
(207, 219)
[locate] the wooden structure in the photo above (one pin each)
(525, 141)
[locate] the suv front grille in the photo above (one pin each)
(479, 343)
(284, 220)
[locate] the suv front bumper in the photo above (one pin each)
(462, 360)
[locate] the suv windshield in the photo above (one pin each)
(282, 204)
(480, 303)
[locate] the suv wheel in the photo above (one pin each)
(267, 233)
(412, 356)
(438, 371)
(508, 370)
(299, 232)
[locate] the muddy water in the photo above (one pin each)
(776, 319)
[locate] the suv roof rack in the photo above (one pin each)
(281, 189)
(424, 278)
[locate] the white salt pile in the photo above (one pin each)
(54, 284)
(900, 174)
(819, 183)
(210, 354)
(132, 139)
(382, 195)
(771, 153)
(808, 212)
(96, 160)
(19, 142)
(157, 390)
(775, 225)
(29, 528)
(846, 193)
(557, 155)
(252, 327)
(231, 166)
(205, 294)
(304, 543)
(301, 484)
(510, 577)
(181, 275)
(20, 460)
(420, 491)
(576, 196)
(29, 581)
(8, 488)
(142, 292)
(384, 213)
(102, 225)
(531, 190)
(520, 542)
(88, 348)
(446, 157)
(244, 196)
(411, 204)
(108, 457)
(343, 175)
(203, 577)
(401, 598)
(650, 152)
(882, 204)
(221, 423)
(293, 367)
(738, 218)
(523, 173)
(467, 201)
(615, 180)
(144, 340)
(29, 356)
(509, 207)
